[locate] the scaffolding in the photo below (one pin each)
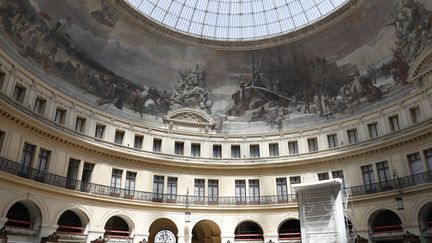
(322, 209)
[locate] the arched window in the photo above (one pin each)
(290, 230)
(386, 222)
(248, 231)
(116, 227)
(18, 216)
(70, 223)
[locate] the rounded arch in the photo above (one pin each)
(117, 226)
(425, 217)
(162, 224)
(370, 213)
(72, 220)
(24, 208)
(83, 213)
(251, 218)
(124, 215)
(289, 229)
(384, 221)
(248, 230)
(206, 231)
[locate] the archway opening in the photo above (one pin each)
(206, 231)
(25, 215)
(162, 224)
(248, 231)
(386, 222)
(425, 222)
(290, 230)
(116, 227)
(70, 223)
(386, 226)
(18, 216)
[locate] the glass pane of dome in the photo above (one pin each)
(236, 19)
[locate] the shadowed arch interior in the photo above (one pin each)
(248, 231)
(290, 230)
(117, 227)
(24, 214)
(386, 221)
(70, 222)
(206, 231)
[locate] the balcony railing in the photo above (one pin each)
(393, 184)
(18, 169)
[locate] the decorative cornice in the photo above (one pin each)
(247, 44)
(42, 126)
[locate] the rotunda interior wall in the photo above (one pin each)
(73, 110)
(60, 155)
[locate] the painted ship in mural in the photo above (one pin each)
(272, 89)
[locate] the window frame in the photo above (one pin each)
(172, 188)
(119, 136)
(282, 189)
(157, 145)
(352, 136)
(235, 151)
(196, 150)
(80, 123)
(293, 147)
(373, 129)
(254, 150)
(199, 190)
(39, 105)
(332, 140)
(213, 191)
(100, 131)
(323, 176)
(178, 148)
(60, 115)
(19, 93)
(240, 191)
(217, 151)
(312, 144)
(394, 123)
(254, 191)
(273, 149)
(138, 141)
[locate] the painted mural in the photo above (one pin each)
(360, 62)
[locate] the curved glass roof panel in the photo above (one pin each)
(236, 19)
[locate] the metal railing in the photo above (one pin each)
(21, 170)
(393, 184)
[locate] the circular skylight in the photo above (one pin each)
(236, 19)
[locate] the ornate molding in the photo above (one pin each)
(189, 117)
(421, 67)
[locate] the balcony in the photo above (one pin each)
(15, 168)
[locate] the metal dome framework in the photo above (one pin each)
(235, 20)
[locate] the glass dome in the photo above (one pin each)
(236, 19)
